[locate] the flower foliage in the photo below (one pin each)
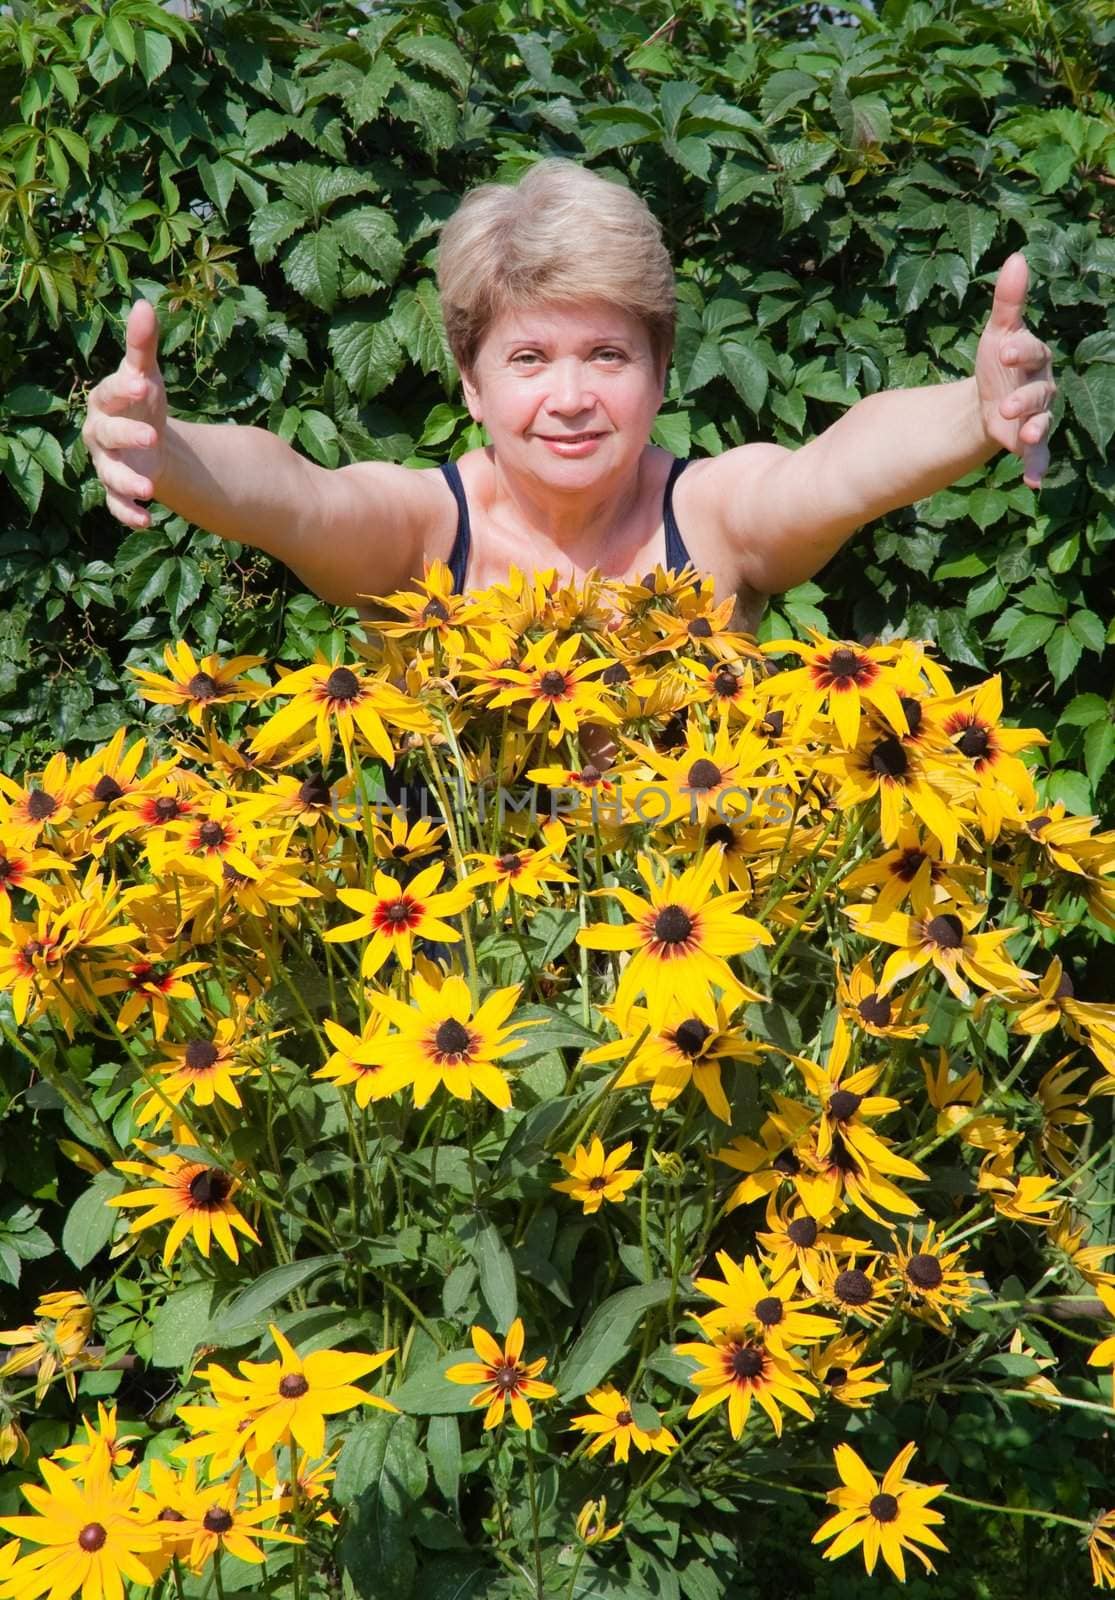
(731, 1115)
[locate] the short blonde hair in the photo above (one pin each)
(561, 235)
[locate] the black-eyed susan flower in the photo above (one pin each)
(195, 1198)
(356, 1061)
(612, 1422)
(767, 1312)
(1052, 1003)
(55, 1343)
(203, 1069)
(795, 1240)
(1101, 1550)
(104, 1448)
(1067, 1233)
(1104, 1353)
(198, 685)
(340, 702)
(290, 1398)
(679, 940)
(695, 621)
(934, 1284)
(393, 915)
(1027, 1199)
(914, 870)
(883, 1016)
(848, 1175)
(838, 676)
(771, 1161)
(864, 1291)
(677, 1053)
(888, 1516)
(148, 988)
(442, 1040)
(989, 752)
(506, 1378)
(841, 1371)
(1062, 1111)
(518, 869)
(591, 1523)
(89, 1536)
(739, 1369)
(709, 782)
(170, 1500)
(23, 869)
(562, 692)
(27, 808)
(887, 769)
(432, 610)
(14, 1444)
(593, 1176)
(219, 1522)
(947, 941)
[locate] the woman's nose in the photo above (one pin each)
(569, 392)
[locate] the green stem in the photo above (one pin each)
(532, 1489)
(1015, 1511)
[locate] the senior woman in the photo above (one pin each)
(558, 298)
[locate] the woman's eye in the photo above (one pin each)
(610, 355)
(525, 358)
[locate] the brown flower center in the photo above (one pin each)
(203, 687)
(551, 684)
(874, 1009)
(787, 1163)
(973, 742)
(802, 1232)
(452, 1038)
(506, 1377)
(769, 1310)
(217, 1520)
(835, 1376)
(597, 1183)
(107, 789)
(726, 683)
(342, 684)
(844, 1104)
(844, 665)
(200, 1055)
(747, 1361)
(435, 611)
(92, 1537)
(912, 708)
(853, 1287)
(703, 774)
(690, 1036)
(721, 833)
(511, 862)
(40, 806)
(615, 673)
(168, 1514)
(166, 808)
(924, 1272)
(774, 724)
(946, 932)
(292, 1386)
(212, 835)
(700, 628)
(889, 759)
(315, 791)
(672, 925)
(1066, 989)
(883, 1507)
(209, 1189)
(624, 1419)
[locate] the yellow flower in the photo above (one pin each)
(26, 809)
(933, 1282)
(594, 1177)
(740, 1369)
(198, 685)
(837, 1365)
(196, 1196)
(610, 1422)
(357, 1061)
(337, 699)
(218, 1522)
(855, 1291)
(1029, 1201)
(205, 1069)
(767, 1312)
(90, 1537)
(947, 941)
(592, 1523)
(677, 1053)
(841, 676)
(679, 940)
(291, 1397)
(890, 1516)
(521, 871)
(149, 985)
(104, 1450)
(394, 915)
(55, 1343)
(1101, 1549)
(1104, 1353)
(442, 1041)
(507, 1379)
(557, 686)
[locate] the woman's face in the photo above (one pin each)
(568, 394)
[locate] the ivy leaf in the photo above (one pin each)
(366, 353)
(971, 229)
(440, 55)
(746, 372)
(154, 53)
(1099, 749)
(1062, 652)
(1091, 396)
(272, 225)
(416, 320)
(1028, 635)
(312, 266)
(916, 277)
(369, 234)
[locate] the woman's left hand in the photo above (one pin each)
(1014, 375)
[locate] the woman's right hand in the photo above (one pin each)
(125, 425)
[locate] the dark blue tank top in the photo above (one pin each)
(677, 556)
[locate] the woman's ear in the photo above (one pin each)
(472, 395)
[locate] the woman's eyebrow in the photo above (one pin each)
(546, 341)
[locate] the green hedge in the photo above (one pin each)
(838, 189)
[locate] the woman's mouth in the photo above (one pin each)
(570, 444)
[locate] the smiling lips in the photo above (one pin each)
(568, 438)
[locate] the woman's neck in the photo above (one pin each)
(585, 526)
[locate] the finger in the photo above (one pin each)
(122, 433)
(127, 512)
(119, 392)
(1035, 464)
(1028, 400)
(1024, 351)
(1036, 428)
(123, 482)
(1010, 294)
(141, 340)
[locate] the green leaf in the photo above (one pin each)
(986, 506)
(443, 1446)
(90, 1223)
(365, 352)
(1091, 397)
(428, 1392)
(1041, 596)
(154, 53)
(496, 1269)
(181, 1324)
(746, 372)
(312, 266)
(1062, 652)
(271, 1287)
(380, 1474)
(606, 1336)
(318, 434)
(971, 229)
(1070, 787)
(1027, 635)
(1099, 749)
(369, 234)
(1088, 629)
(416, 321)
(916, 278)
(1084, 709)
(440, 55)
(120, 35)
(272, 226)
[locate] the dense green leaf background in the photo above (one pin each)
(838, 189)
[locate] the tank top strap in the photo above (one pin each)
(462, 543)
(677, 556)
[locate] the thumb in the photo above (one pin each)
(1010, 294)
(141, 340)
